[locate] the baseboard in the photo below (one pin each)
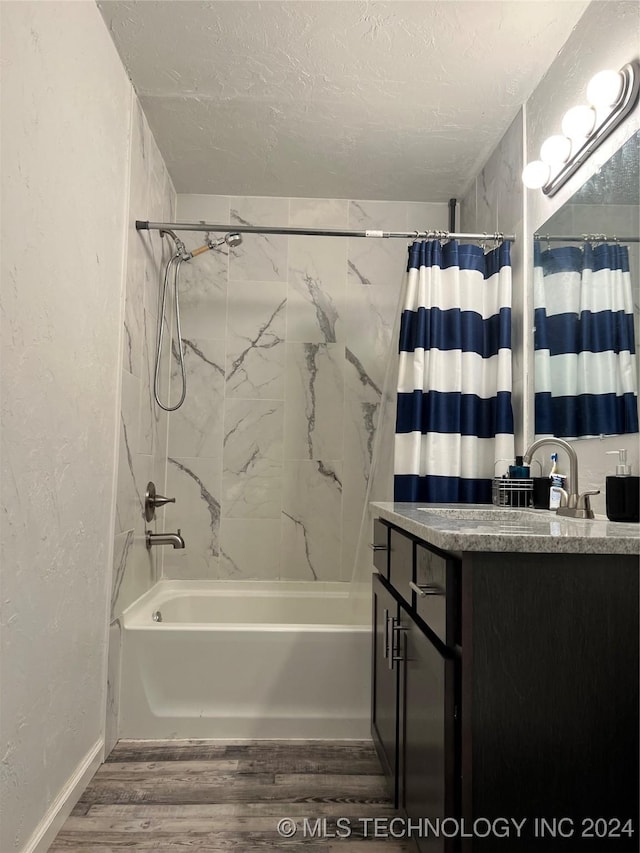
(63, 804)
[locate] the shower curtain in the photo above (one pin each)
(454, 420)
(585, 373)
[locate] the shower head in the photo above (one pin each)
(232, 239)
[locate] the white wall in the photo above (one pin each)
(66, 112)
(605, 37)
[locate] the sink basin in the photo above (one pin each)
(498, 515)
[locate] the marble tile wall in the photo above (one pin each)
(143, 426)
(286, 343)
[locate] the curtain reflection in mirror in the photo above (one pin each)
(585, 365)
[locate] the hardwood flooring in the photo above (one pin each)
(228, 796)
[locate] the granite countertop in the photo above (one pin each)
(483, 527)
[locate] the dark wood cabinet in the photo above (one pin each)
(428, 786)
(414, 700)
(385, 684)
(550, 697)
(506, 686)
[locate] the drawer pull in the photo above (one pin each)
(375, 547)
(427, 589)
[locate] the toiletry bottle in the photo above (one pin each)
(519, 493)
(555, 497)
(557, 483)
(622, 498)
(519, 471)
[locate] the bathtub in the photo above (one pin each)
(240, 659)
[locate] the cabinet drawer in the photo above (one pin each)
(380, 547)
(434, 578)
(401, 564)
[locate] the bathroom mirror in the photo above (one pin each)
(586, 284)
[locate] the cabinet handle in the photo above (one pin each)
(396, 628)
(386, 633)
(427, 589)
(375, 547)
(392, 649)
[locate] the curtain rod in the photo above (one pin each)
(316, 232)
(588, 238)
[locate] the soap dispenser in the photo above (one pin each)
(623, 491)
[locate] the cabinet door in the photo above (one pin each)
(384, 681)
(426, 736)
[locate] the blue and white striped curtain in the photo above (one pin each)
(585, 371)
(454, 418)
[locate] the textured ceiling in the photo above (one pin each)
(334, 99)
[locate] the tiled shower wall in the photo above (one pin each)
(286, 342)
(143, 427)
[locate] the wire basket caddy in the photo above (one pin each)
(511, 491)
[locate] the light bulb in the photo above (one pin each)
(535, 174)
(578, 122)
(555, 150)
(605, 88)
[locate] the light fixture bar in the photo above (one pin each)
(627, 101)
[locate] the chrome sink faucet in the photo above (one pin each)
(573, 505)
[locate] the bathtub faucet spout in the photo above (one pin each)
(174, 539)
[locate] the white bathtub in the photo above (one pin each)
(240, 659)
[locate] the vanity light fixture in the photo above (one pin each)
(611, 95)
(555, 150)
(605, 89)
(579, 123)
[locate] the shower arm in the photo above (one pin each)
(181, 251)
(180, 248)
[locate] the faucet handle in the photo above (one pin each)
(583, 499)
(160, 500)
(152, 501)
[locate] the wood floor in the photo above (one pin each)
(229, 796)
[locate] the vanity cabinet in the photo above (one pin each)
(415, 678)
(509, 691)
